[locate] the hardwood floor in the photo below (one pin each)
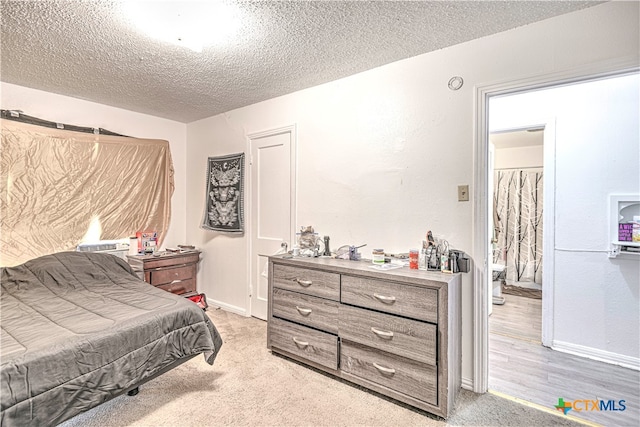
(521, 367)
(519, 317)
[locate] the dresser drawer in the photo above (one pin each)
(311, 282)
(312, 311)
(404, 337)
(406, 300)
(168, 275)
(316, 346)
(179, 286)
(407, 376)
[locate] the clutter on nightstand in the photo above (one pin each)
(147, 241)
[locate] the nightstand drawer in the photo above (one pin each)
(312, 311)
(396, 298)
(179, 286)
(311, 282)
(169, 275)
(404, 337)
(316, 346)
(171, 272)
(407, 376)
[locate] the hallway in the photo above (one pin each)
(519, 366)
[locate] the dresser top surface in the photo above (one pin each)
(366, 268)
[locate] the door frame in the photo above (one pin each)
(548, 220)
(480, 224)
(291, 129)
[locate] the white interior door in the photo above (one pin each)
(272, 198)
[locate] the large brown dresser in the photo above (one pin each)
(396, 332)
(172, 272)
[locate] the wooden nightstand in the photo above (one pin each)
(172, 272)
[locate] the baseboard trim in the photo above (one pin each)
(596, 354)
(467, 383)
(227, 307)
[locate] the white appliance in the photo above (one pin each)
(113, 247)
(498, 276)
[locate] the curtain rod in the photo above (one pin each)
(18, 116)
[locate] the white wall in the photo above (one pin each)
(519, 157)
(63, 109)
(597, 154)
(223, 270)
(380, 153)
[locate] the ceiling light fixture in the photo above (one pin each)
(192, 24)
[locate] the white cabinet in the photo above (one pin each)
(624, 211)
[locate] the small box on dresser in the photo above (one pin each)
(172, 272)
(396, 332)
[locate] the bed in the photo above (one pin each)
(78, 329)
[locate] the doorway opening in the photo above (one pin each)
(516, 182)
(589, 150)
(482, 271)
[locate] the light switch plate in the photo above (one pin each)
(463, 193)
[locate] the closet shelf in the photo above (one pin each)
(632, 244)
(617, 249)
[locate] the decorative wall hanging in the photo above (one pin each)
(225, 194)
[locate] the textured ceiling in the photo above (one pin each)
(89, 50)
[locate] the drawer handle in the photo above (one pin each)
(303, 311)
(385, 299)
(301, 344)
(384, 370)
(305, 283)
(382, 334)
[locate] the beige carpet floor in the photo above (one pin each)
(248, 386)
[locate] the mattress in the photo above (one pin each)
(80, 328)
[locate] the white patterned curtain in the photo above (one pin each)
(518, 229)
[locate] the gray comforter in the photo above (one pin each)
(79, 328)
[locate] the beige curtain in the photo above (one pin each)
(60, 188)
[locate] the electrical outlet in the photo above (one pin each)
(463, 193)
